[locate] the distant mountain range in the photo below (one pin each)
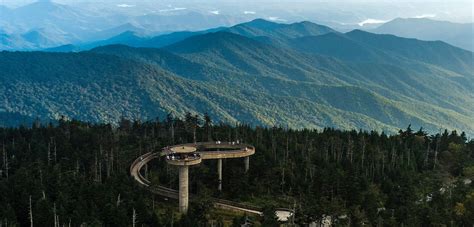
(45, 25)
(259, 29)
(457, 34)
(262, 73)
(460, 35)
(58, 24)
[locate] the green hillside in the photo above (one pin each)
(239, 79)
(263, 28)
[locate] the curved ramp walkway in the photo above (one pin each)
(205, 151)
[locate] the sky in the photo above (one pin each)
(354, 12)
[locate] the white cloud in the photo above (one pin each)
(125, 5)
(371, 21)
(216, 12)
(276, 19)
(428, 15)
(249, 12)
(172, 9)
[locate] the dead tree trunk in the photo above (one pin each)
(5, 161)
(49, 153)
(134, 218)
(55, 216)
(55, 152)
(363, 151)
(31, 214)
(425, 161)
(438, 140)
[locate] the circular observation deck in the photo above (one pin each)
(210, 150)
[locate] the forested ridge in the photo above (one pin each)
(261, 73)
(77, 173)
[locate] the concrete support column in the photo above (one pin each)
(247, 163)
(183, 188)
(219, 171)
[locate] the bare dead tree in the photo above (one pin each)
(134, 218)
(274, 145)
(350, 148)
(55, 216)
(326, 152)
(31, 214)
(153, 201)
(282, 183)
(408, 157)
(5, 160)
(425, 161)
(172, 131)
(107, 164)
(287, 149)
(118, 200)
(76, 173)
(55, 152)
(438, 141)
(333, 149)
(112, 160)
(96, 177)
(393, 161)
(383, 162)
(100, 172)
(49, 153)
(363, 151)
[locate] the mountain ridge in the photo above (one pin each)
(236, 78)
(457, 34)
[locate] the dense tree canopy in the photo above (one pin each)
(76, 172)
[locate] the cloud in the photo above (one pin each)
(249, 12)
(215, 12)
(125, 5)
(428, 15)
(172, 9)
(371, 21)
(276, 19)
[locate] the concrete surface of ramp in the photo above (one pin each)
(141, 161)
(214, 150)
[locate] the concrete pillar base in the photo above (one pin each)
(183, 189)
(247, 163)
(219, 171)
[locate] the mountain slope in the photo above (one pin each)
(241, 54)
(408, 66)
(239, 79)
(457, 34)
(409, 81)
(363, 46)
(260, 27)
(432, 52)
(399, 89)
(89, 86)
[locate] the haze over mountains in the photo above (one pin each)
(457, 34)
(58, 24)
(81, 25)
(260, 72)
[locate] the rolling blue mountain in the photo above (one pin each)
(457, 34)
(259, 29)
(352, 80)
(77, 25)
(358, 45)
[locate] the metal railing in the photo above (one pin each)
(171, 193)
